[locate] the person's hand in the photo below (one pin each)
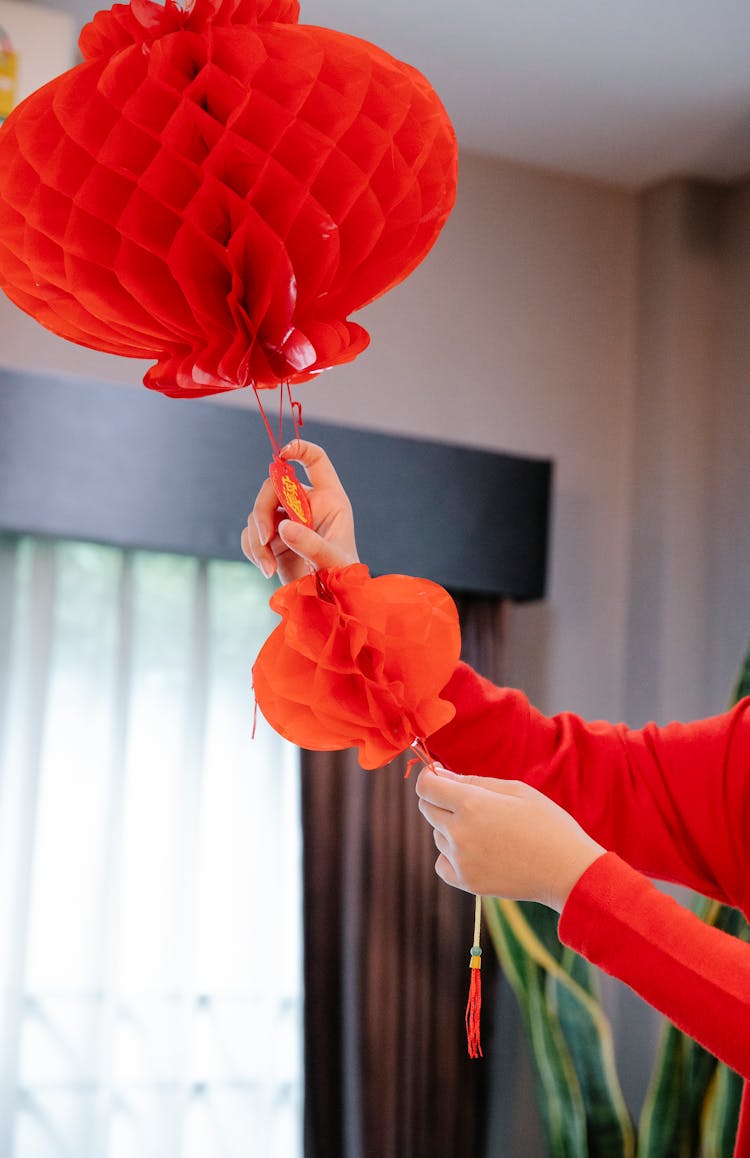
(275, 543)
(502, 838)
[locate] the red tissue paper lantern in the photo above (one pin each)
(218, 187)
(358, 662)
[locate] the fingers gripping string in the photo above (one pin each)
(422, 757)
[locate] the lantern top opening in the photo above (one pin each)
(144, 21)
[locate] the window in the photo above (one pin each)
(149, 863)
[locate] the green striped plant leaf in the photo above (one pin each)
(558, 1091)
(721, 1114)
(583, 1110)
(742, 686)
(692, 1104)
(609, 1129)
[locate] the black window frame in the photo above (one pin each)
(114, 464)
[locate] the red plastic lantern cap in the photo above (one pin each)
(358, 662)
(218, 187)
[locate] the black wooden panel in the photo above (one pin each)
(113, 464)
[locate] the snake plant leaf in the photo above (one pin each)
(558, 1092)
(573, 997)
(721, 1114)
(742, 686)
(721, 1107)
(683, 1074)
(559, 1089)
(583, 1111)
(668, 1121)
(609, 1128)
(721, 1110)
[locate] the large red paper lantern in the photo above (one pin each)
(358, 662)
(218, 187)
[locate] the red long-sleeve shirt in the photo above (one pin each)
(671, 802)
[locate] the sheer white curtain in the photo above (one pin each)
(150, 916)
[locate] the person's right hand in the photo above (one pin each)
(274, 543)
(503, 838)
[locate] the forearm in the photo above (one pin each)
(583, 767)
(698, 976)
(672, 801)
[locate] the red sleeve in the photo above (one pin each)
(674, 802)
(699, 977)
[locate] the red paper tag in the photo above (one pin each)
(290, 492)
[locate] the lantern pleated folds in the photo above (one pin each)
(358, 662)
(217, 188)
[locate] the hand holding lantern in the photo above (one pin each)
(356, 660)
(277, 545)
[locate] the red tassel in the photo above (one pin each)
(474, 1005)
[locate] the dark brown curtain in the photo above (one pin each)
(387, 1073)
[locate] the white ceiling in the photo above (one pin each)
(627, 93)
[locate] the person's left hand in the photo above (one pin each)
(276, 544)
(503, 838)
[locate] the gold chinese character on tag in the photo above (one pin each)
(290, 492)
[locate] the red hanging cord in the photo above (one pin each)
(281, 415)
(274, 443)
(296, 409)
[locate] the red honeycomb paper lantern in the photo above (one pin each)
(358, 662)
(218, 188)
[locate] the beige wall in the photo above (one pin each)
(729, 601)
(564, 319)
(689, 599)
(516, 334)
(44, 40)
(680, 281)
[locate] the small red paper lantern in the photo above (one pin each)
(218, 187)
(358, 662)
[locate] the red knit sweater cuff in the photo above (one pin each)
(604, 887)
